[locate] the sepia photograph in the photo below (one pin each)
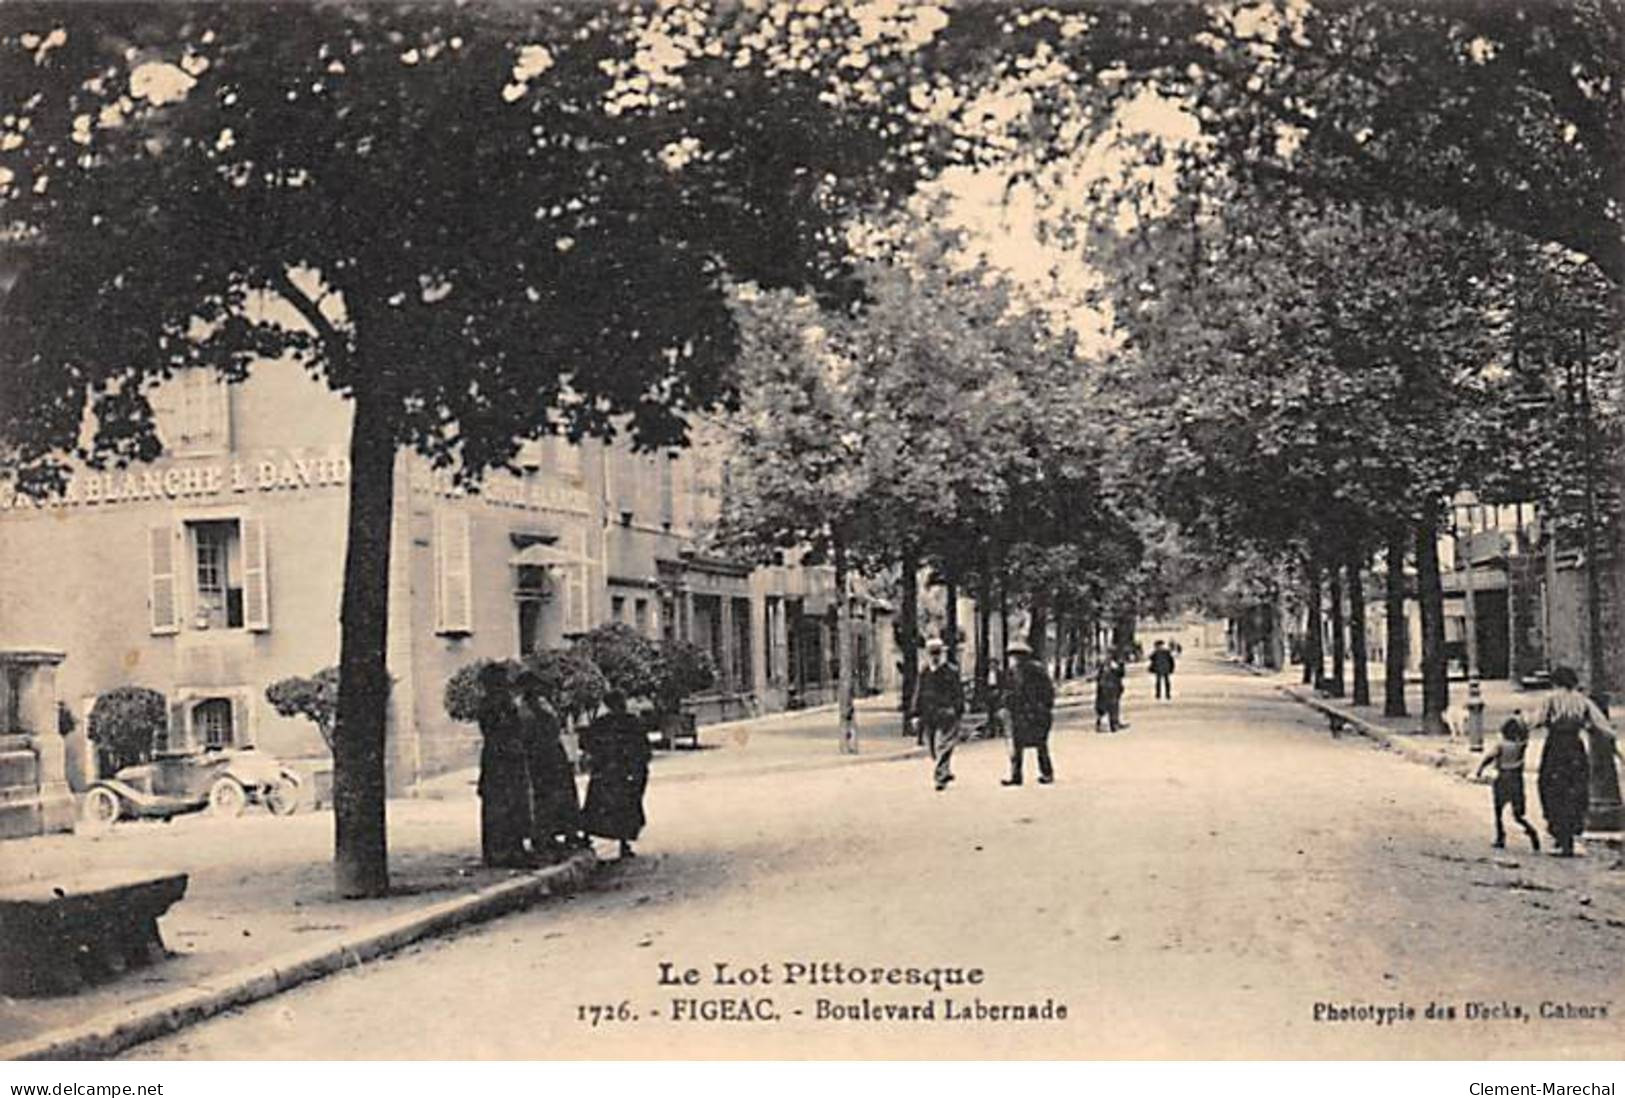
(818, 530)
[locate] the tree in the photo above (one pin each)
(125, 724)
(478, 225)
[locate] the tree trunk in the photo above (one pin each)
(909, 629)
(846, 703)
(984, 630)
(1357, 647)
(1399, 640)
(950, 625)
(1038, 626)
(1430, 596)
(1314, 660)
(360, 847)
(1338, 684)
(1004, 615)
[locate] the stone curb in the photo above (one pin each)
(1439, 760)
(104, 1037)
(793, 766)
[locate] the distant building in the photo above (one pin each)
(217, 570)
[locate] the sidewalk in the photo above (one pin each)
(800, 739)
(259, 914)
(1404, 734)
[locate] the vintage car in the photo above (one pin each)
(223, 781)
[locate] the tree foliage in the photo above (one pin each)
(315, 698)
(125, 723)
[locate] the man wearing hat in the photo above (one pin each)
(1029, 698)
(939, 702)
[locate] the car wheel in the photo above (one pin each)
(227, 797)
(101, 808)
(283, 796)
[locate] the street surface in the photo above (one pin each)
(1191, 888)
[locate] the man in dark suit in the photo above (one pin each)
(1162, 669)
(939, 702)
(1029, 698)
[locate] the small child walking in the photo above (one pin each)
(1508, 789)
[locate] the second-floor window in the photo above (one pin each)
(218, 591)
(193, 411)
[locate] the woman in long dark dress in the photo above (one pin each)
(556, 824)
(504, 786)
(619, 750)
(1565, 770)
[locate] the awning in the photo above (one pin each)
(545, 556)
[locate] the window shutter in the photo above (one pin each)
(240, 735)
(256, 577)
(176, 739)
(220, 409)
(575, 615)
(454, 581)
(163, 559)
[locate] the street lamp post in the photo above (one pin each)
(1464, 503)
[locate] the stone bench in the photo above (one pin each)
(57, 934)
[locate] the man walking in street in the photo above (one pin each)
(1109, 694)
(1029, 699)
(1162, 669)
(939, 702)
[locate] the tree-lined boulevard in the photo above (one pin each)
(1193, 887)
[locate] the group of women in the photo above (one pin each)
(530, 813)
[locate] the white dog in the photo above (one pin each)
(1455, 720)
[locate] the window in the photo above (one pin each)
(744, 677)
(773, 638)
(668, 617)
(218, 589)
(454, 580)
(640, 617)
(193, 411)
(212, 724)
(617, 608)
(566, 458)
(208, 574)
(708, 633)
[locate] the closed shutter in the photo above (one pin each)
(575, 604)
(256, 577)
(163, 556)
(176, 739)
(454, 578)
(241, 736)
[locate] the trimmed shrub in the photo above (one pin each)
(684, 669)
(463, 694)
(630, 662)
(315, 698)
(125, 724)
(571, 681)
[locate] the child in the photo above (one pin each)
(1508, 760)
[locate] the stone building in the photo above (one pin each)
(217, 569)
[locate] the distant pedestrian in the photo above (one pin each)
(618, 753)
(1565, 772)
(1508, 790)
(1109, 694)
(1162, 670)
(1029, 698)
(939, 703)
(556, 825)
(503, 786)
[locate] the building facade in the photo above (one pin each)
(217, 570)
